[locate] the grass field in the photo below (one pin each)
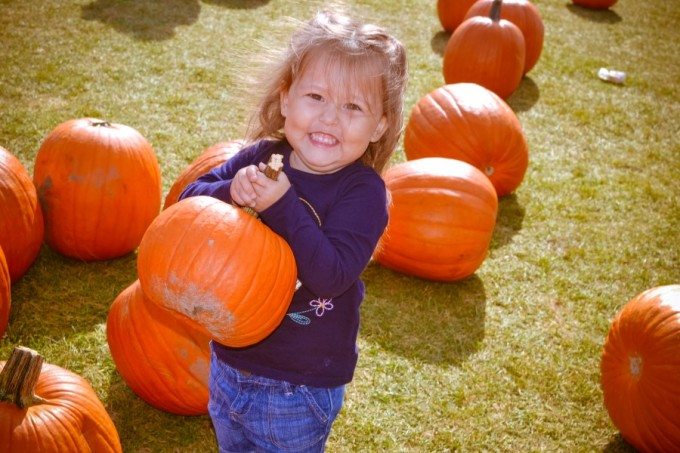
(506, 360)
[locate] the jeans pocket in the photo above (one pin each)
(301, 418)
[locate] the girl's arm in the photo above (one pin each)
(331, 258)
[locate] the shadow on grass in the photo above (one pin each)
(525, 96)
(508, 222)
(237, 4)
(438, 42)
(146, 20)
(428, 321)
(142, 427)
(606, 16)
(618, 444)
(59, 295)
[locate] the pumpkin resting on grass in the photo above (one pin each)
(45, 408)
(526, 16)
(5, 294)
(489, 51)
(640, 370)
(452, 12)
(21, 220)
(467, 122)
(99, 185)
(163, 359)
(442, 217)
(210, 158)
(211, 262)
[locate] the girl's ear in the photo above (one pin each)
(283, 97)
(379, 130)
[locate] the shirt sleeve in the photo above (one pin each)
(217, 182)
(332, 257)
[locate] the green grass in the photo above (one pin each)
(507, 360)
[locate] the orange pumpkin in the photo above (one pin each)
(21, 221)
(163, 359)
(467, 122)
(99, 185)
(5, 294)
(210, 158)
(211, 262)
(595, 4)
(442, 217)
(452, 12)
(489, 51)
(640, 370)
(525, 15)
(49, 409)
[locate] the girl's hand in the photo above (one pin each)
(268, 191)
(242, 190)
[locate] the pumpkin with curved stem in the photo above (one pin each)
(640, 370)
(467, 122)
(441, 221)
(489, 51)
(210, 158)
(163, 359)
(5, 294)
(211, 262)
(595, 4)
(21, 222)
(49, 409)
(526, 16)
(452, 12)
(99, 185)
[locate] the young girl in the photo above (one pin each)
(333, 109)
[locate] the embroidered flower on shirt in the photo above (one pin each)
(319, 307)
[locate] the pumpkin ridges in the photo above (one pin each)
(488, 52)
(21, 224)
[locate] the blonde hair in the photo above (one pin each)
(348, 41)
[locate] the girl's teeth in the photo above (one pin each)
(324, 139)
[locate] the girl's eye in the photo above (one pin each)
(315, 96)
(354, 107)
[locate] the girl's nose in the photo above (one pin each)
(329, 114)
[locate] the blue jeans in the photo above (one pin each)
(253, 413)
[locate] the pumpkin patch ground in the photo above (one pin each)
(508, 357)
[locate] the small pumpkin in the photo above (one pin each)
(21, 222)
(467, 122)
(489, 51)
(5, 294)
(640, 370)
(211, 262)
(162, 358)
(452, 12)
(442, 218)
(595, 4)
(48, 409)
(99, 185)
(526, 16)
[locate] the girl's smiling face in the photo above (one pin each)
(332, 111)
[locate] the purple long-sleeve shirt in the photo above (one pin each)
(316, 342)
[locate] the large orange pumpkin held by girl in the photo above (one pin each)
(640, 370)
(211, 262)
(99, 185)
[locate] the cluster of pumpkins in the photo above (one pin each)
(95, 194)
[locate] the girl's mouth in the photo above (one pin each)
(321, 139)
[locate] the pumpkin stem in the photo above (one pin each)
(20, 376)
(274, 167)
(100, 123)
(495, 13)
